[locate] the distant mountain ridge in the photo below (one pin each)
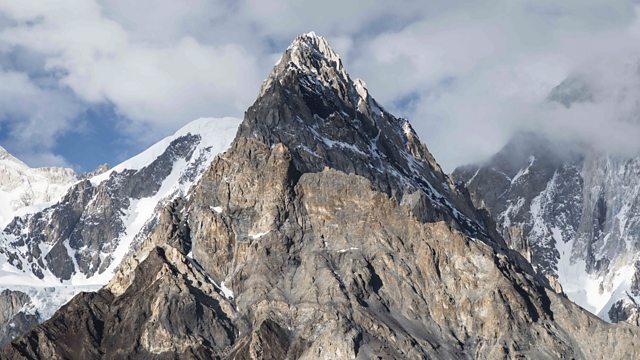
(24, 189)
(76, 244)
(577, 214)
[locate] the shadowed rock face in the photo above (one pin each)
(165, 299)
(272, 256)
(625, 310)
(14, 320)
(325, 119)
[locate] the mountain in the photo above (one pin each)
(26, 190)
(77, 243)
(339, 125)
(578, 214)
(325, 231)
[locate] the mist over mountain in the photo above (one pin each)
(482, 71)
(571, 208)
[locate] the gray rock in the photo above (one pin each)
(625, 310)
(13, 319)
(164, 299)
(311, 105)
(572, 90)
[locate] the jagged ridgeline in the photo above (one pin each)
(88, 223)
(576, 214)
(326, 231)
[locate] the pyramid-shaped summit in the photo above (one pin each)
(310, 54)
(310, 104)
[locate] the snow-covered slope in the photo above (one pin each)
(216, 134)
(76, 244)
(26, 190)
(577, 214)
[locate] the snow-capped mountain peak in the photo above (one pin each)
(310, 46)
(310, 104)
(211, 130)
(311, 58)
(77, 243)
(6, 157)
(577, 214)
(26, 190)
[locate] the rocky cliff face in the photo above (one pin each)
(77, 243)
(325, 119)
(579, 214)
(15, 317)
(165, 280)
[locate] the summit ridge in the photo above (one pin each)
(310, 104)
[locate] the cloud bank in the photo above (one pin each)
(467, 74)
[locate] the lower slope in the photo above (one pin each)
(321, 266)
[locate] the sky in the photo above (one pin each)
(86, 82)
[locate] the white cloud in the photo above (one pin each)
(468, 74)
(156, 86)
(33, 117)
(476, 75)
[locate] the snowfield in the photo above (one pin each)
(50, 293)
